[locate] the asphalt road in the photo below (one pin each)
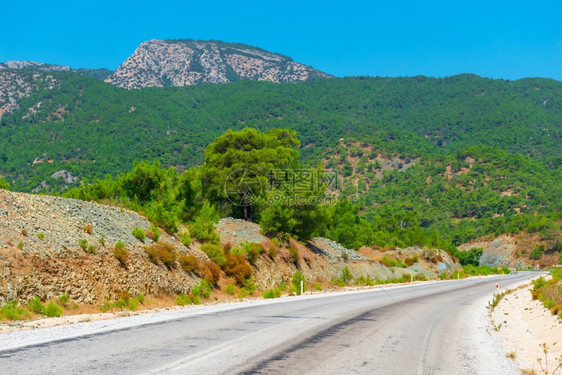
(428, 328)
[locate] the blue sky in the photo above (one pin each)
(499, 39)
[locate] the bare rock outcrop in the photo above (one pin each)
(189, 62)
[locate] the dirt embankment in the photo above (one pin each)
(512, 250)
(41, 255)
(51, 245)
(321, 259)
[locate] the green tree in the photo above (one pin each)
(234, 174)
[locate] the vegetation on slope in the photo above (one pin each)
(403, 208)
(92, 128)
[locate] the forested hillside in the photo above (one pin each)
(91, 128)
(458, 197)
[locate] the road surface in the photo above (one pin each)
(427, 328)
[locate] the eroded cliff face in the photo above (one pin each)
(189, 62)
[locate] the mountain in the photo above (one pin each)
(18, 83)
(18, 79)
(33, 65)
(189, 62)
(67, 121)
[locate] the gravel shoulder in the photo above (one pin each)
(526, 324)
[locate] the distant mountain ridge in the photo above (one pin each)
(33, 65)
(188, 62)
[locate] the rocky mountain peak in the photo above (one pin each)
(188, 62)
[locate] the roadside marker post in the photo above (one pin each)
(302, 288)
(497, 288)
(411, 278)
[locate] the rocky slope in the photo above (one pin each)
(188, 62)
(41, 254)
(513, 250)
(33, 65)
(17, 83)
(321, 259)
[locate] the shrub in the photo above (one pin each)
(63, 300)
(124, 302)
(317, 286)
(120, 253)
(238, 268)
(20, 245)
(214, 253)
(24, 232)
(183, 300)
(388, 262)
(215, 273)
(139, 234)
(12, 311)
(41, 236)
(36, 306)
(273, 251)
(53, 310)
(92, 249)
(556, 309)
(185, 238)
(204, 289)
(535, 254)
(346, 274)
(162, 252)
(253, 251)
(83, 244)
(101, 240)
(230, 288)
(538, 283)
(189, 263)
(105, 306)
(88, 229)
(296, 280)
(364, 280)
(132, 304)
(226, 248)
(272, 293)
(294, 252)
(549, 304)
(409, 262)
(248, 289)
(153, 233)
(338, 282)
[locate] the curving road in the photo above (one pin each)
(426, 328)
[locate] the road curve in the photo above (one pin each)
(427, 328)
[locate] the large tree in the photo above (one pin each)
(238, 164)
